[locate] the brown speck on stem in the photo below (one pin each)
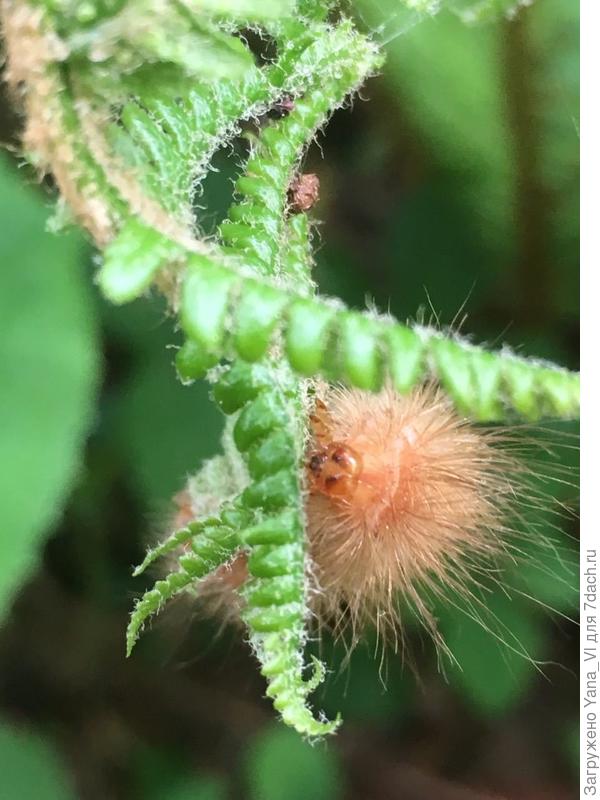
(282, 107)
(303, 193)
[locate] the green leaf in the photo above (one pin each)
(474, 11)
(572, 745)
(164, 429)
(554, 34)
(495, 646)
(197, 788)
(161, 775)
(31, 768)
(281, 766)
(551, 580)
(444, 70)
(48, 375)
(549, 573)
(365, 692)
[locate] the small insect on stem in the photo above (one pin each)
(303, 193)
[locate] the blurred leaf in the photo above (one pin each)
(572, 745)
(469, 11)
(164, 429)
(161, 775)
(206, 53)
(547, 568)
(474, 11)
(461, 88)
(281, 766)
(30, 768)
(550, 573)
(75, 15)
(495, 646)
(48, 374)
(449, 80)
(554, 34)
(371, 689)
(431, 229)
(197, 788)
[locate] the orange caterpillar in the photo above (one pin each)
(404, 494)
(405, 498)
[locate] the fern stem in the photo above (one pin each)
(254, 228)
(320, 337)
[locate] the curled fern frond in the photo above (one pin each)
(211, 544)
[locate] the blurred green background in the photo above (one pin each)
(453, 190)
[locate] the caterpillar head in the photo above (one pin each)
(335, 470)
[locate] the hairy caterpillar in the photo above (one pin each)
(404, 498)
(403, 493)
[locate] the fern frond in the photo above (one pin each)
(212, 544)
(267, 432)
(321, 337)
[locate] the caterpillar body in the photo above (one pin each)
(404, 492)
